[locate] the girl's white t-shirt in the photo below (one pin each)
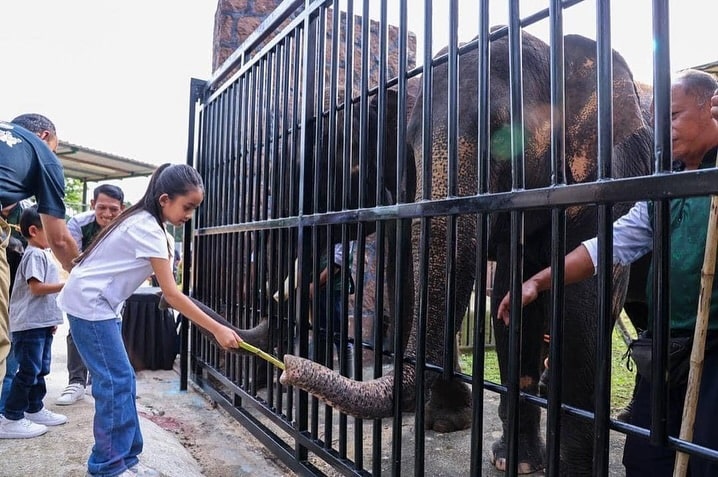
(97, 287)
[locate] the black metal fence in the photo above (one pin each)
(294, 164)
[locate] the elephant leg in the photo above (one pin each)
(578, 373)
(532, 449)
(449, 408)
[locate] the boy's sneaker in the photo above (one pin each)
(142, 470)
(21, 429)
(71, 394)
(46, 417)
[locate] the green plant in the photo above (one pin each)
(622, 380)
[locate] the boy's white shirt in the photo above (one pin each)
(97, 288)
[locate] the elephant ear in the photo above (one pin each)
(582, 108)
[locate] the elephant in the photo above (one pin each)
(449, 406)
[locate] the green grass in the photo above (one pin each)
(622, 380)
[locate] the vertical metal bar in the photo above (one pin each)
(558, 238)
(273, 312)
(483, 164)
(196, 89)
(379, 251)
(307, 88)
(363, 201)
(403, 227)
(347, 161)
(452, 173)
(602, 394)
(517, 235)
(661, 225)
(425, 240)
(318, 153)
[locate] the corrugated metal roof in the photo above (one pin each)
(709, 67)
(91, 165)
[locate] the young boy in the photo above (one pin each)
(34, 319)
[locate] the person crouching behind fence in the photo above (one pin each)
(126, 252)
(34, 316)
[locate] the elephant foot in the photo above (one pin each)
(449, 408)
(531, 456)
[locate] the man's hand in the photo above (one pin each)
(529, 293)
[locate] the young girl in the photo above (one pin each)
(124, 254)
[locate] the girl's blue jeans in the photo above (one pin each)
(116, 427)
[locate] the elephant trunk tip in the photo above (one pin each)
(293, 366)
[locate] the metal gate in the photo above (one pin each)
(306, 146)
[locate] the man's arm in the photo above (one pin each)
(73, 226)
(578, 266)
(61, 242)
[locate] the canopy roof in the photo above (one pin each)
(711, 67)
(90, 165)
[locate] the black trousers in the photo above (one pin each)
(642, 459)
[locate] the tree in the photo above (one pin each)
(73, 194)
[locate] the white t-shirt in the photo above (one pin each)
(97, 287)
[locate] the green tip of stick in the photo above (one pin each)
(265, 356)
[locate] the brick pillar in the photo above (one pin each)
(234, 21)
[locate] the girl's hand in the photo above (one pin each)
(227, 338)
(529, 293)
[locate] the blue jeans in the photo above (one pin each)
(32, 350)
(11, 365)
(116, 427)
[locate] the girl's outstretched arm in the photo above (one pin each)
(226, 337)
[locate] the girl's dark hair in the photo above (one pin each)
(28, 218)
(172, 179)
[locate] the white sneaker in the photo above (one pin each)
(71, 394)
(21, 429)
(46, 417)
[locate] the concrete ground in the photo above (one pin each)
(185, 434)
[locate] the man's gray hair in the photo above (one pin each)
(697, 83)
(34, 122)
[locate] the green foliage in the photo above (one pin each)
(622, 380)
(73, 191)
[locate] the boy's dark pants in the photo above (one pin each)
(32, 349)
(75, 366)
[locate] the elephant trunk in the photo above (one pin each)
(257, 336)
(361, 399)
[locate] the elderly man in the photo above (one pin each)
(694, 145)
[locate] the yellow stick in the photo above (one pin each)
(265, 356)
(699, 338)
